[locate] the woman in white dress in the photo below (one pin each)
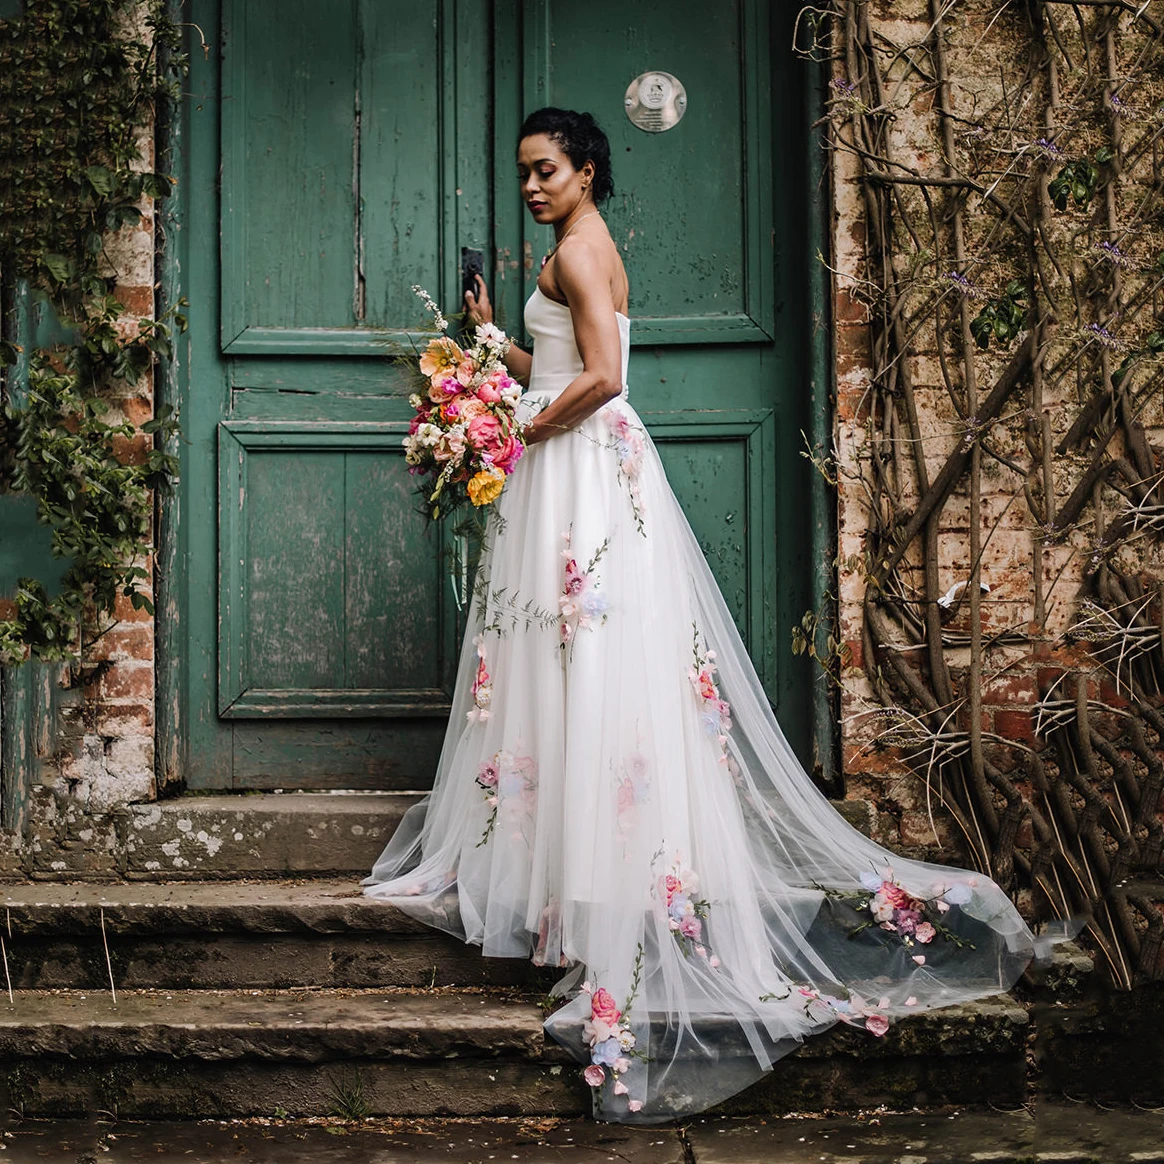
(614, 795)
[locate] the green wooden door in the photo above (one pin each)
(333, 154)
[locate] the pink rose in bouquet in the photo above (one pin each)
(443, 388)
(489, 393)
(508, 453)
(469, 408)
(484, 433)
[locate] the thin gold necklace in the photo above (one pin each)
(550, 253)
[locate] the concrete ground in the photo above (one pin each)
(1053, 1134)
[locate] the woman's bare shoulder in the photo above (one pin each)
(589, 265)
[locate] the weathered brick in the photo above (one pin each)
(129, 641)
(846, 309)
(130, 680)
(1014, 724)
(124, 611)
(137, 298)
(853, 353)
(134, 450)
(1010, 689)
(125, 719)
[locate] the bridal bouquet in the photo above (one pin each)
(464, 439)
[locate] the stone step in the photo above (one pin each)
(234, 934)
(244, 1053)
(194, 837)
(294, 1025)
(1049, 1134)
(261, 835)
(1046, 1133)
(236, 1053)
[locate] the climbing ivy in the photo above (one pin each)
(81, 83)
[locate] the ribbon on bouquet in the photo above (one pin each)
(459, 574)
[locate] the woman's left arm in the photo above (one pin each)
(578, 269)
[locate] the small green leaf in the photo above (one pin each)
(60, 267)
(101, 179)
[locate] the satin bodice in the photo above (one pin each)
(556, 359)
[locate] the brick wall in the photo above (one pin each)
(986, 51)
(106, 753)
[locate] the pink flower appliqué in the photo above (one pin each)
(686, 912)
(482, 686)
(629, 444)
(716, 712)
(608, 1034)
(603, 1007)
(581, 603)
(510, 784)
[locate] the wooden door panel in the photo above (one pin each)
(395, 583)
(336, 187)
(720, 466)
(333, 597)
(381, 755)
(290, 550)
(288, 191)
(405, 173)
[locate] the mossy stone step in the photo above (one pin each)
(237, 1053)
(235, 934)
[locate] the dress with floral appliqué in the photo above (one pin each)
(615, 797)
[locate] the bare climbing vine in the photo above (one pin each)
(1009, 164)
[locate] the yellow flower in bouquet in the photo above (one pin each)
(441, 358)
(485, 487)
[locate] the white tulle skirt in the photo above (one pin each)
(615, 797)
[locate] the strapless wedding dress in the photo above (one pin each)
(615, 797)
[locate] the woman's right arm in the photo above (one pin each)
(479, 310)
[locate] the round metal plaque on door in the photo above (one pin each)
(656, 101)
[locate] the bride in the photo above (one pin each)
(614, 795)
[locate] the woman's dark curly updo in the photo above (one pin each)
(581, 139)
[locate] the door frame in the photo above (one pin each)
(803, 325)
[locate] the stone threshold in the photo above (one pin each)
(224, 836)
(1049, 1133)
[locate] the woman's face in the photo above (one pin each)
(550, 185)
